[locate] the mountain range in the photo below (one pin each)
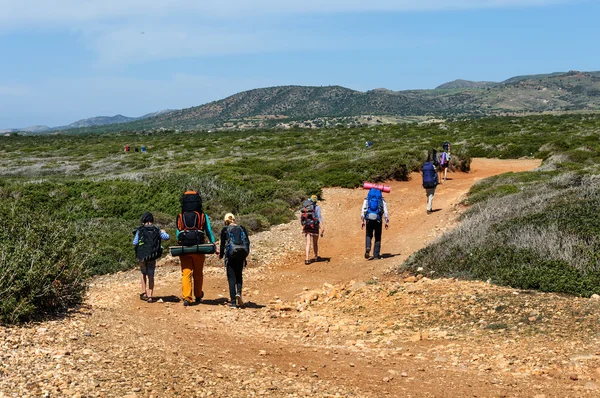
(271, 106)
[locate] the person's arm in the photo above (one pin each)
(164, 235)
(222, 243)
(386, 216)
(208, 229)
(363, 210)
(320, 218)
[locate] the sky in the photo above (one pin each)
(65, 60)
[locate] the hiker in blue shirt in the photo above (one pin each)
(374, 211)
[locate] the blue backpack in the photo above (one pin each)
(238, 244)
(429, 175)
(374, 205)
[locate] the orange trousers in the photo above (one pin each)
(192, 268)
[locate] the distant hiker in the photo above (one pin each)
(126, 148)
(235, 247)
(193, 226)
(374, 211)
(144, 149)
(430, 181)
(312, 222)
(444, 163)
(147, 249)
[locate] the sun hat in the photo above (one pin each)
(229, 218)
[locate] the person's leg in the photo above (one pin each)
(369, 238)
(238, 266)
(231, 281)
(308, 241)
(429, 192)
(151, 268)
(445, 172)
(198, 275)
(315, 240)
(187, 270)
(377, 249)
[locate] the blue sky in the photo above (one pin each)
(65, 60)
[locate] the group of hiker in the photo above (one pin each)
(194, 230)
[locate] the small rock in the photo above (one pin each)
(404, 374)
(262, 353)
(574, 377)
(595, 297)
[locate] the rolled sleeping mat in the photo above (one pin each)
(381, 187)
(205, 248)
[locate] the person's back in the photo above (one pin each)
(235, 247)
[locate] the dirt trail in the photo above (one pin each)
(344, 327)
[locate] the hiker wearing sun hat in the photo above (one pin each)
(235, 247)
(312, 223)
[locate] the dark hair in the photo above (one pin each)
(147, 217)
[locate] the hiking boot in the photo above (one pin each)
(429, 212)
(199, 299)
(307, 262)
(238, 299)
(186, 303)
(367, 255)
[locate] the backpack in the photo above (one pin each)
(374, 205)
(429, 175)
(191, 201)
(308, 218)
(238, 245)
(444, 159)
(148, 247)
(191, 227)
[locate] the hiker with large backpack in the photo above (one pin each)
(373, 213)
(147, 249)
(312, 223)
(193, 228)
(235, 247)
(430, 181)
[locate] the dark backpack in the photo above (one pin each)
(191, 227)
(191, 201)
(374, 205)
(429, 175)
(148, 247)
(238, 244)
(308, 218)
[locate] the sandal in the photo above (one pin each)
(143, 296)
(316, 259)
(151, 300)
(307, 262)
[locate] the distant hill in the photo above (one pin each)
(459, 83)
(284, 105)
(90, 122)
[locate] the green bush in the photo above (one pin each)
(42, 264)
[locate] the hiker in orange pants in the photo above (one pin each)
(193, 228)
(192, 268)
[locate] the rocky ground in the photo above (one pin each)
(343, 327)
